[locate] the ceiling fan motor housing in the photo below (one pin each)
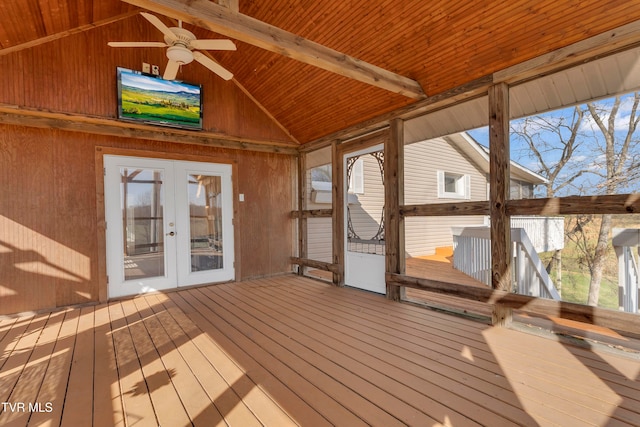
(179, 50)
(180, 54)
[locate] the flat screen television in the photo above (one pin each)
(150, 99)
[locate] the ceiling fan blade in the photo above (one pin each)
(137, 44)
(221, 44)
(171, 71)
(212, 65)
(159, 25)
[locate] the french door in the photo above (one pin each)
(169, 224)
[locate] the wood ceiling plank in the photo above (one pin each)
(258, 33)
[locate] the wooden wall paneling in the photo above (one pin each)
(264, 179)
(52, 212)
(77, 75)
(27, 221)
(12, 90)
(499, 171)
(338, 211)
(279, 228)
(75, 204)
(394, 198)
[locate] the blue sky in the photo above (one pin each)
(130, 78)
(589, 156)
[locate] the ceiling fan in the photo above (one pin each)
(183, 48)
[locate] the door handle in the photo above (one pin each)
(171, 233)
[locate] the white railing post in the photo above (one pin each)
(628, 276)
(472, 256)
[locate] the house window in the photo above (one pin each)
(454, 185)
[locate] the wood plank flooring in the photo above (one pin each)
(295, 351)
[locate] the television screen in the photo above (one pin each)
(151, 99)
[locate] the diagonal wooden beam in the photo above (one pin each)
(257, 103)
(233, 5)
(222, 20)
(66, 33)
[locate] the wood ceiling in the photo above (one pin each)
(441, 44)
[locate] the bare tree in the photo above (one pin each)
(620, 164)
(551, 142)
(609, 162)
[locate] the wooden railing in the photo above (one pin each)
(472, 256)
(624, 240)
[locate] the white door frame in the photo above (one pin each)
(176, 224)
(361, 270)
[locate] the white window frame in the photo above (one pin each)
(463, 186)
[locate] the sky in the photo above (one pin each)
(135, 79)
(589, 156)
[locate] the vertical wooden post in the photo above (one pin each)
(393, 199)
(499, 169)
(337, 195)
(302, 205)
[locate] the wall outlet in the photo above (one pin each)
(155, 70)
(146, 68)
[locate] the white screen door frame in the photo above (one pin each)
(169, 224)
(362, 270)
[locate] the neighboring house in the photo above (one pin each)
(440, 170)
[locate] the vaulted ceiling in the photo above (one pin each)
(440, 44)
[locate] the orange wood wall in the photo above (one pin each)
(49, 246)
(77, 74)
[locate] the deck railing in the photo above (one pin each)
(472, 256)
(624, 241)
(545, 232)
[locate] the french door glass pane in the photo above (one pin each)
(205, 222)
(142, 201)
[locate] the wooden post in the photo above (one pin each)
(394, 198)
(337, 195)
(499, 169)
(302, 205)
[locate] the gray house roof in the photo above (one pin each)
(479, 154)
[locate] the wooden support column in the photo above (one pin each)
(394, 198)
(302, 205)
(337, 196)
(499, 169)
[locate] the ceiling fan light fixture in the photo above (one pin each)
(180, 54)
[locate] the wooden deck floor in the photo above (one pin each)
(290, 350)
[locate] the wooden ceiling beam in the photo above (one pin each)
(232, 5)
(222, 20)
(14, 115)
(70, 32)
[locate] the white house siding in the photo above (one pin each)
(423, 235)
(319, 231)
(366, 213)
(422, 161)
